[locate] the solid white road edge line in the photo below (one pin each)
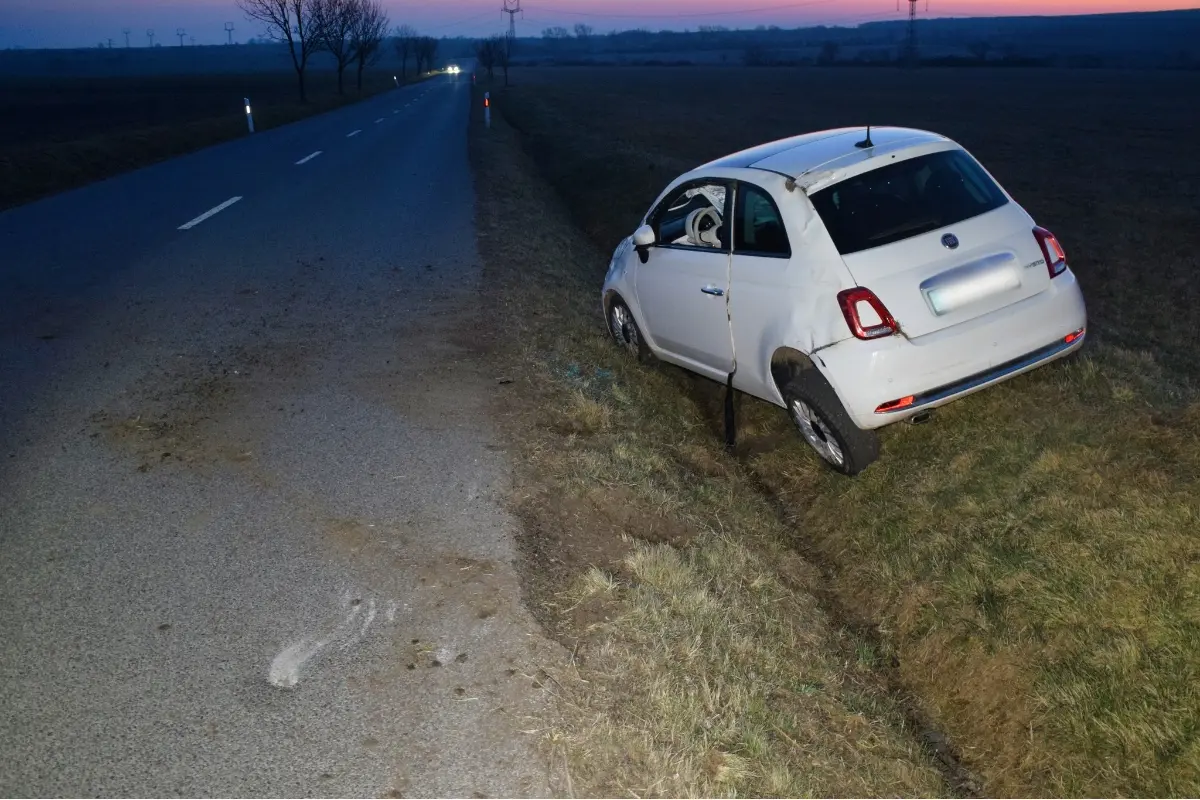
(308, 158)
(211, 212)
(354, 133)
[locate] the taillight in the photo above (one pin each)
(866, 314)
(895, 405)
(1052, 251)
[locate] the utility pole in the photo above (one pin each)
(126, 31)
(150, 36)
(110, 43)
(180, 32)
(229, 31)
(512, 8)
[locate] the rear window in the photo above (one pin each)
(906, 199)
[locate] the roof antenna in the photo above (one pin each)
(867, 141)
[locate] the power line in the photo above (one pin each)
(459, 22)
(669, 15)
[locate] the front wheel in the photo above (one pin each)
(625, 331)
(822, 420)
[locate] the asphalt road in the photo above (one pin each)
(251, 529)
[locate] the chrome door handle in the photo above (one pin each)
(714, 291)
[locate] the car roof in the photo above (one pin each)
(822, 151)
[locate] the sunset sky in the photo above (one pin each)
(82, 23)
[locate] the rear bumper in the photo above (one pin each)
(941, 367)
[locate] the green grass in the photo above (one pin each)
(1030, 558)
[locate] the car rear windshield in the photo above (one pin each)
(906, 199)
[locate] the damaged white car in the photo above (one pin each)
(856, 278)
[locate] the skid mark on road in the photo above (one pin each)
(358, 615)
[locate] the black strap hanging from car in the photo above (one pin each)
(730, 422)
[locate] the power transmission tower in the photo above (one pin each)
(180, 32)
(229, 31)
(512, 8)
(126, 31)
(150, 36)
(910, 44)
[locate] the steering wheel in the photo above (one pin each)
(702, 226)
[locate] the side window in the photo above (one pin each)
(758, 228)
(692, 216)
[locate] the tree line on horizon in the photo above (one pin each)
(351, 31)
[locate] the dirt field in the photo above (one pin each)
(1023, 570)
(58, 133)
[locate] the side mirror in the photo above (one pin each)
(643, 238)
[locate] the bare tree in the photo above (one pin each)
(503, 54)
(294, 22)
(426, 49)
(367, 37)
(335, 22)
(583, 32)
(828, 54)
(485, 53)
(404, 41)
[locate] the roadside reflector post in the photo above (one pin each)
(396, 81)
(249, 115)
(487, 109)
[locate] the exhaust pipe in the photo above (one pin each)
(921, 417)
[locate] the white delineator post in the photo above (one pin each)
(396, 80)
(249, 116)
(487, 109)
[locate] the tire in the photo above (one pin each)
(822, 421)
(625, 331)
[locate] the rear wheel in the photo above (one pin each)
(625, 331)
(823, 422)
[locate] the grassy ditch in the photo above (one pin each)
(705, 665)
(1027, 566)
(61, 133)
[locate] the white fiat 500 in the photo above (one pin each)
(856, 277)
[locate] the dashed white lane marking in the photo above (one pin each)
(379, 120)
(352, 134)
(308, 158)
(395, 111)
(211, 212)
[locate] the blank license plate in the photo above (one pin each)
(970, 283)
